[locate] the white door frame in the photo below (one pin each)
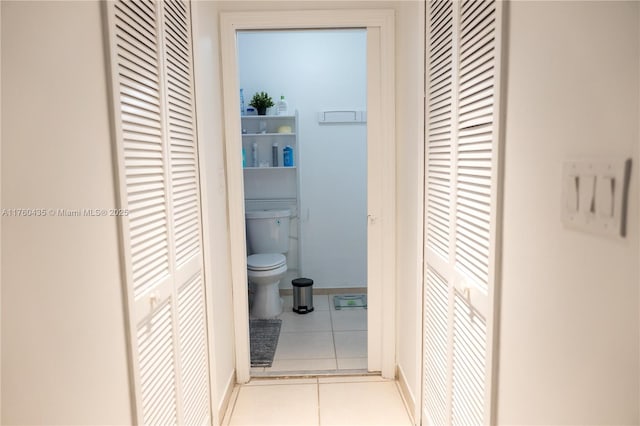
(381, 257)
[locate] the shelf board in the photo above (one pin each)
(270, 168)
(267, 134)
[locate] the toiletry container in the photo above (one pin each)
(274, 155)
(254, 154)
(287, 154)
(241, 101)
(282, 108)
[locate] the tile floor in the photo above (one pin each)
(343, 400)
(325, 340)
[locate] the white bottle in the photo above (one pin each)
(254, 155)
(282, 108)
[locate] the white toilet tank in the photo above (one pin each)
(268, 231)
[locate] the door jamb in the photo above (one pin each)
(381, 192)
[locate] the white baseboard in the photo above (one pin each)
(226, 398)
(408, 397)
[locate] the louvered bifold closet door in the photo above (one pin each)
(152, 83)
(461, 210)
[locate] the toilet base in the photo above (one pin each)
(266, 301)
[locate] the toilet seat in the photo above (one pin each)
(265, 261)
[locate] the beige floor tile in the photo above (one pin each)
(350, 344)
(349, 320)
(320, 302)
(276, 405)
(318, 345)
(287, 303)
(352, 363)
(282, 381)
(352, 379)
(369, 403)
(314, 321)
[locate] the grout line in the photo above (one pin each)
(307, 331)
(318, 395)
(333, 337)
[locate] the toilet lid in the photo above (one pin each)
(265, 261)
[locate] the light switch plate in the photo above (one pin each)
(595, 196)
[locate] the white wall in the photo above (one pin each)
(410, 202)
(214, 199)
(0, 219)
(317, 70)
(64, 358)
(569, 321)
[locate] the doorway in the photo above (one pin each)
(380, 211)
(321, 76)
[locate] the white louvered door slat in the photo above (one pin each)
(151, 64)
(182, 132)
(193, 346)
(157, 371)
(142, 144)
(440, 122)
(461, 209)
(439, 145)
(193, 350)
(437, 340)
(469, 358)
(475, 175)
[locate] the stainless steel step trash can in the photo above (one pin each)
(302, 295)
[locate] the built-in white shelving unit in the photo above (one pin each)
(267, 181)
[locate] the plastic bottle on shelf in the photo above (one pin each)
(244, 158)
(287, 154)
(274, 154)
(241, 101)
(282, 108)
(254, 154)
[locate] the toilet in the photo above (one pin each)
(268, 241)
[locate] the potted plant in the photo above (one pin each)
(261, 101)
